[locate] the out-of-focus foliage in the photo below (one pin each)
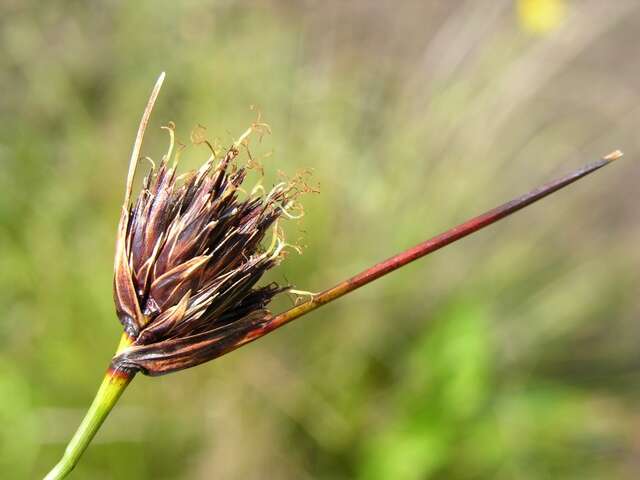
(513, 354)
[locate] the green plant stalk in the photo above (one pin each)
(113, 384)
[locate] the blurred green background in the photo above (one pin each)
(512, 354)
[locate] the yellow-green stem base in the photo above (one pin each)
(114, 383)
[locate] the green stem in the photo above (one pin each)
(114, 383)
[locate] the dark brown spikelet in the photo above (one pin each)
(188, 258)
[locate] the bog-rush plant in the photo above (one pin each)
(189, 254)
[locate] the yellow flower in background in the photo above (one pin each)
(540, 16)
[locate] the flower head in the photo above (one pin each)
(189, 254)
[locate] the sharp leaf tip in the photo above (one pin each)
(613, 156)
